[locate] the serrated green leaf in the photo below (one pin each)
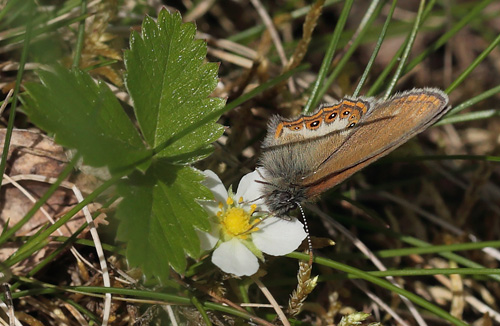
(158, 217)
(170, 84)
(86, 116)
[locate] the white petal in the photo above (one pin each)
(279, 237)
(208, 240)
(233, 257)
(251, 190)
(212, 182)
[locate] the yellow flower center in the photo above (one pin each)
(235, 221)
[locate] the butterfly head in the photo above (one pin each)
(280, 199)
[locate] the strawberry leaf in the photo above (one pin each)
(170, 85)
(158, 217)
(86, 116)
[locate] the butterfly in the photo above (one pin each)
(307, 155)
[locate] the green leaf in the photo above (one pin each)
(84, 115)
(158, 217)
(170, 84)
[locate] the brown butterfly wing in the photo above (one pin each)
(385, 127)
(294, 148)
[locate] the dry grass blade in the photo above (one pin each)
(307, 30)
(199, 10)
(473, 192)
(436, 220)
(228, 45)
(365, 250)
(272, 301)
(6, 101)
(90, 222)
(271, 29)
(301, 48)
(232, 58)
(457, 288)
(7, 307)
(457, 292)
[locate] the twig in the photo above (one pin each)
(201, 8)
(171, 315)
(229, 46)
(272, 30)
(90, 221)
(470, 299)
(272, 301)
(274, 36)
(220, 299)
(232, 58)
(378, 301)
(9, 306)
(364, 249)
(436, 220)
(6, 101)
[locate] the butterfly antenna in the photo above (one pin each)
(306, 227)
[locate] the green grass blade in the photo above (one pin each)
(473, 65)
(406, 52)
(371, 14)
(375, 50)
(472, 116)
(414, 242)
(80, 37)
(382, 283)
(30, 247)
(261, 88)
(435, 249)
(476, 99)
(19, 77)
(6, 234)
(383, 75)
(437, 271)
(255, 30)
(474, 13)
(327, 60)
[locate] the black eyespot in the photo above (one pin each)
(332, 116)
(346, 113)
(296, 128)
(314, 123)
(352, 125)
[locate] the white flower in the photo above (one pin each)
(242, 229)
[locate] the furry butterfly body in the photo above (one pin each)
(305, 156)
